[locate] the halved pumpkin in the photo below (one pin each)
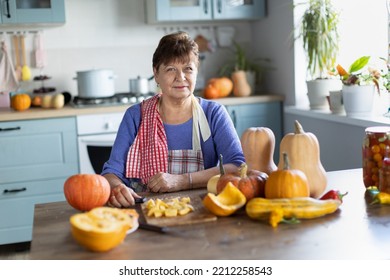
(100, 229)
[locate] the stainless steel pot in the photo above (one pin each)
(140, 85)
(95, 83)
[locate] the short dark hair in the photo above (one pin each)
(176, 46)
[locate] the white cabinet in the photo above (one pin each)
(36, 157)
(32, 11)
(204, 10)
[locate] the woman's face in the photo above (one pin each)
(177, 79)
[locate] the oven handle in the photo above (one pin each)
(100, 143)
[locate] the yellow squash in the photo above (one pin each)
(303, 150)
(297, 207)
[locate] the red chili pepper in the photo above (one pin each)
(334, 194)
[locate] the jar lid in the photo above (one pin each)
(378, 129)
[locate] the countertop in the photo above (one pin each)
(357, 230)
(8, 114)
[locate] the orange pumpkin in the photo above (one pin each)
(286, 182)
(21, 102)
(210, 92)
(251, 183)
(223, 85)
(258, 145)
(86, 191)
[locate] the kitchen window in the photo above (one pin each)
(363, 31)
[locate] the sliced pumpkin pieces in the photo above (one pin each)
(169, 208)
(225, 203)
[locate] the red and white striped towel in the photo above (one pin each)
(149, 152)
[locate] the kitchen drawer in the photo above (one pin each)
(37, 149)
(17, 207)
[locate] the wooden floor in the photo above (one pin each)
(19, 251)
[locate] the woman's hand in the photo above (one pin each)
(165, 182)
(122, 196)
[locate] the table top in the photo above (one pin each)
(357, 230)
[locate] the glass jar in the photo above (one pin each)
(375, 144)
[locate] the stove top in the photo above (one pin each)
(117, 99)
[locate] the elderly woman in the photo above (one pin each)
(171, 141)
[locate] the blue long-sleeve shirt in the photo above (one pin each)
(224, 139)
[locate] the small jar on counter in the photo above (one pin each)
(375, 144)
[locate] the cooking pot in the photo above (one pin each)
(95, 83)
(140, 85)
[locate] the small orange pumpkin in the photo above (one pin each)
(86, 191)
(21, 101)
(286, 182)
(222, 85)
(251, 183)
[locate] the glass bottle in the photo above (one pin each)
(375, 143)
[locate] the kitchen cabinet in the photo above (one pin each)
(267, 114)
(37, 156)
(32, 11)
(203, 10)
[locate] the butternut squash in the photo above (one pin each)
(304, 154)
(241, 86)
(258, 145)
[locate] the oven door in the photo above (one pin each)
(94, 151)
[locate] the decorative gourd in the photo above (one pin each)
(213, 181)
(86, 191)
(286, 182)
(21, 102)
(241, 86)
(218, 88)
(251, 183)
(258, 145)
(304, 154)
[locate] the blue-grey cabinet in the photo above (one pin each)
(36, 157)
(203, 10)
(267, 114)
(32, 11)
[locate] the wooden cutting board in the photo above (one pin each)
(199, 215)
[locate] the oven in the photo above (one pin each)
(96, 134)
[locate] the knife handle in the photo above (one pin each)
(153, 228)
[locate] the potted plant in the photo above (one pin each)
(246, 73)
(359, 84)
(318, 30)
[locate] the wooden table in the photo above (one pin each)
(356, 231)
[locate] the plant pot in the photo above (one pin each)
(318, 90)
(358, 100)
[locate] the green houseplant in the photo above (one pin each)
(360, 82)
(318, 31)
